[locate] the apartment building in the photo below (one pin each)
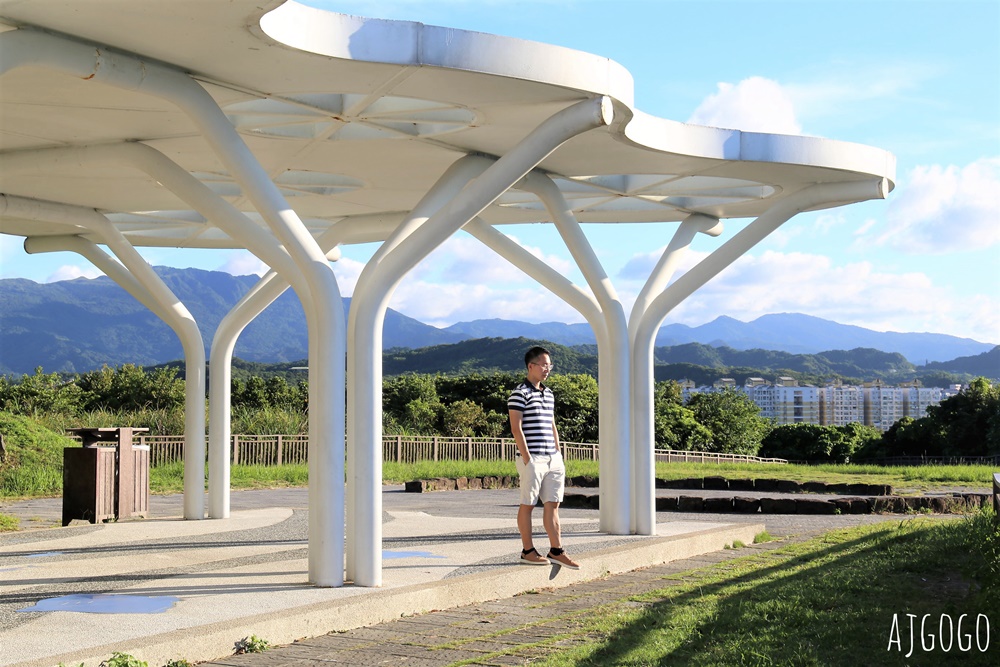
(841, 404)
(835, 404)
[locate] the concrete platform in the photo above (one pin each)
(192, 589)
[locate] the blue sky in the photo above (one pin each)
(918, 78)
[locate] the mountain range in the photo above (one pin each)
(700, 363)
(78, 325)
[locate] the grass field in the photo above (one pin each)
(168, 479)
(842, 599)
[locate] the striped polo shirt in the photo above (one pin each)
(538, 407)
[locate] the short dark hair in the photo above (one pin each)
(534, 353)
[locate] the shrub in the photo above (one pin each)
(123, 660)
(251, 644)
(33, 463)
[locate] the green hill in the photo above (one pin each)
(483, 355)
(32, 461)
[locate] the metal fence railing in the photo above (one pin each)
(278, 449)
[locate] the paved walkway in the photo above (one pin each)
(217, 582)
(504, 632)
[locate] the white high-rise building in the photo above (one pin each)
(917, 399)
(883, 405)
(836, 404)
(841, 404)
(794, 404)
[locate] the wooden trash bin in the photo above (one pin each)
(107, 478)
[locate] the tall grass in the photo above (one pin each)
(159, 422)
(267, 421)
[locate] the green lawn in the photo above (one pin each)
(831, 601)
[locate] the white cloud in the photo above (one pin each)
(463, 258)
(754, 105)
(944, 209)
(243, 263)
(838, 84)
(640, 265)
(440, 304)
(464, 280)
(71, 272)
(347, 271)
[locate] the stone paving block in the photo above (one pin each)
(485, 646)
(809, 506)
(777, 505)
(453, 655)
(716, 483)
(719, 505)
(337, 640)
(690, 504)
(819, 487)
(396, 648)
(741, 485)
(746, 505)
(766, 485)
(376, 634)
(666, 503)
(265, 659)
(505, 661)
(789, 486)
(852, 505)
(372, 659)
(417, 624)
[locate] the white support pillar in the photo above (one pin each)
(643, 441)
(613, 362)
(177, 317)
(376, 286)
(364, 372)
(219, 212)
(322, 304)
(823, 194)
(220, 369)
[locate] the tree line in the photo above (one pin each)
(475, 404)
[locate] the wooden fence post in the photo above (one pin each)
(468, 442)
(996, 494)
(236, 450)
(435, 448)
(399, 449)
(279, 450)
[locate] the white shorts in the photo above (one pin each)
(544, 477)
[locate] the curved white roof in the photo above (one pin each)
(356, 118)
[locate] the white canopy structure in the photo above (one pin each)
(288, 131)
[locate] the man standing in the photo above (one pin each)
(539, 463)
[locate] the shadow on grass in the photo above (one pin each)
(831, 601)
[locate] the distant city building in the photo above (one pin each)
(841, 404)
(835, 404)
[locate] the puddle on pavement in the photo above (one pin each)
(106, 604)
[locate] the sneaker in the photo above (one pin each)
(532, 557)
(564, 560)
